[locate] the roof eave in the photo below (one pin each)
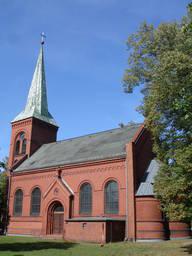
(70, 165)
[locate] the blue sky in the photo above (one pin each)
(85, 58)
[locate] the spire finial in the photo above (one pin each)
(43, 36)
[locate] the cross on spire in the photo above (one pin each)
(43, 36)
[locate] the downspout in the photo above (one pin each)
(134, 186)
(131, 223)
(126, 198)
(131, 213)
(8, 198)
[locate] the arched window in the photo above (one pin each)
(17, 147)
(85, 206)
(35, 202)
(24, 144)
(21, 142)
(111, 198)
(18, 203)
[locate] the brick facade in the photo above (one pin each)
(138, 218)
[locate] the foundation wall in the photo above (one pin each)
(85, 231)
(149, 222)
(179, 230)
(25, 227)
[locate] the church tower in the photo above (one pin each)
(34, 126)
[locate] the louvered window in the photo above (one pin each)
(17, 147)
(24, 144)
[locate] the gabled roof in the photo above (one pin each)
(146, 185)
(103, 145)
(36, 105)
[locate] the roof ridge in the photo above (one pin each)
(95, 133)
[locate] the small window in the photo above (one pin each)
(24, 144)
(35, 202)
(18, 203)
(85, 199)
(111, 198)
(17, 147)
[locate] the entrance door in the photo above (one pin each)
(58, 220)
(55, 218)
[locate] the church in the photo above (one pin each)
(96, 187)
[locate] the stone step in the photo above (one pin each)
(53, 237)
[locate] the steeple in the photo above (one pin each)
(34, 126)
(36, 105)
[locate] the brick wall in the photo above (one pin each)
(85, 231)
(53, 189)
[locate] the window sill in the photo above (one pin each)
(20, 154)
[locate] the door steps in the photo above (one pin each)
(53, 237)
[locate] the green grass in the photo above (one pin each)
(26, 246)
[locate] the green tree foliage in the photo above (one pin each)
(160, 61)
(173, 185)
(3, 194)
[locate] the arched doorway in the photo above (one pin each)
(55, 219)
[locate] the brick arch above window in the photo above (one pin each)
(111, 178)
(21, 130)
(20, 143)
(83, 182)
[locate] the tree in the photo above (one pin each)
(3, 195)
(160, 61)
(173, 186)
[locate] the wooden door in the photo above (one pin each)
(58, 223)
(55, 218)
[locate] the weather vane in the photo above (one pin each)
(43, 38)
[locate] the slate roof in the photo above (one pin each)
(146, 186)
(97, 146)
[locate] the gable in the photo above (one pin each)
(54, 188)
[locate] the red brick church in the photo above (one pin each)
(97, 187)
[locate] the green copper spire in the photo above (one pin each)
(36, 105)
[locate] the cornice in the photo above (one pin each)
(65, 173)
(69, 166)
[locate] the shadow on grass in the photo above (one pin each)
(35, 246)
(187, 248)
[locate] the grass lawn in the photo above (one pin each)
(22, 246)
